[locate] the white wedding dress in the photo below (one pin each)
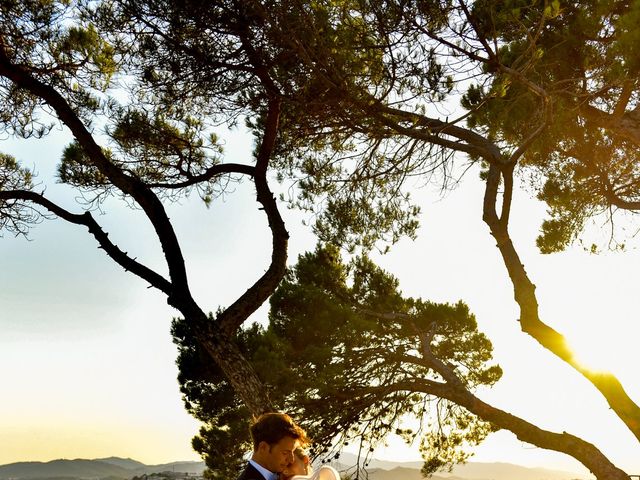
(325, 472)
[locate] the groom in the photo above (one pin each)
(275, 436)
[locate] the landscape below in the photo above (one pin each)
(115, 468)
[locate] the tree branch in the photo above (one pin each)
(626, 126)
(86, 219)
(259, 292)
(625, 96)
(530, 322)
(180, 296)
(616, 201)
(471, 142)
(215, 170)
(583, 451)
(481, 39)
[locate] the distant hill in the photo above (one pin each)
(127, 463)
(387, 470)
(114, 467)
(508, 471)
(192, 468)
(63, 468)
(373, 463)
(404, 473)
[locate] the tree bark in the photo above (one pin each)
(585, 452)
(626, 125)
(530, 322)
(239, 372)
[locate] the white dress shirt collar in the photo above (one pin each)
(267, 474)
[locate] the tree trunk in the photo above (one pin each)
(530, 322)
(585, 452)
(239, 373)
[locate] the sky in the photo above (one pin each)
(88, 367)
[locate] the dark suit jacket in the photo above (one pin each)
(250, 473)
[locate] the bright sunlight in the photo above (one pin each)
(597, 350)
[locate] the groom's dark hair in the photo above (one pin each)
(273, 427)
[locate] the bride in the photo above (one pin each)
(301, 469)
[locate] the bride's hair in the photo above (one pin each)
(300, 453)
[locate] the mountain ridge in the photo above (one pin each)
(390, 470)
(124, 468)
(127, 468)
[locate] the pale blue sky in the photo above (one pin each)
(87, 362)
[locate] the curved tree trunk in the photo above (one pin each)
(239, 372)
(455, 390)
(530, 322)
(585, 452)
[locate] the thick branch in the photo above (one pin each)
(208, 174)
(616, 201)
(447, 373)
(507, 169)
(530, 322)
(86, 219)
(481, 38)
(218, 337)
(626, 125)
(132, 186)
(429, 130)
(583, 451)
(269, 137)
(260, 291)
(627, 90)
(507, 197)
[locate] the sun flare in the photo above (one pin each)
(595, 352)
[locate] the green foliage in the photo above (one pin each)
(73, 49)
(342, 353)
(77, 169)
(338, 67)
(579, 168)
(15, 215)
(12, 176)
(83, 45)
(51, 40)
(326, 60)
(157, 151)
(443, 448)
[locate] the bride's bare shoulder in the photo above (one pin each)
(327, 473)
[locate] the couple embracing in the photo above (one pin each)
(278, 452)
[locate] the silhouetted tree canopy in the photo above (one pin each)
(353, 103)
(350, 357)
(579, 68)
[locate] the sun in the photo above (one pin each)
(599, 350)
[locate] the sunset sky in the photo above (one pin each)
(88, 367)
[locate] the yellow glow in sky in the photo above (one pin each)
(596, 354)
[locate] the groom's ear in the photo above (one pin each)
(263, 447)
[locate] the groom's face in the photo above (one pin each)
(278, 456)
